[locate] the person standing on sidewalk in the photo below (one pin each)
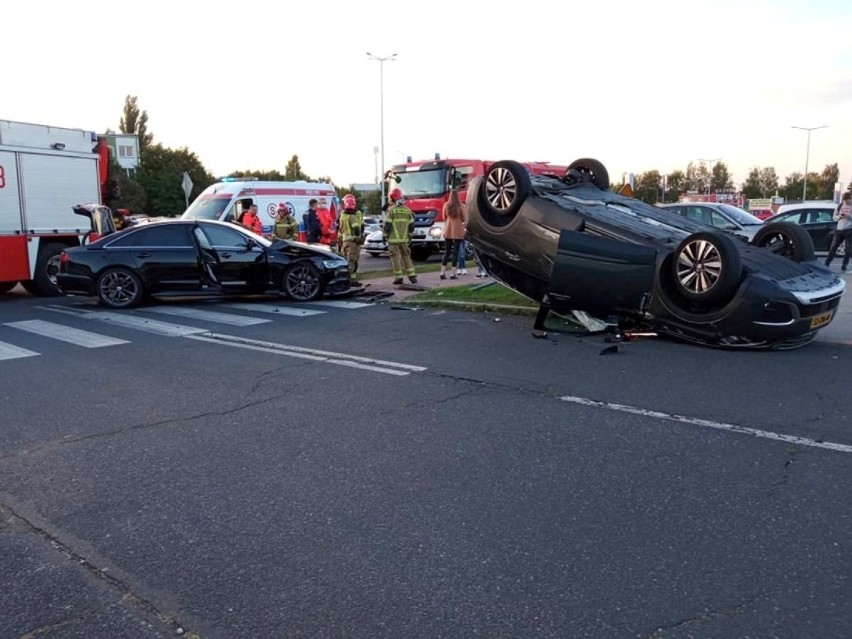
(843, 233)
(455, 217)
(351, 234)
(398, 227)
(313, 230)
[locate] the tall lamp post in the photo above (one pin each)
(710, 162)
(807, 154)
(381, 62)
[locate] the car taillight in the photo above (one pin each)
(64, 258)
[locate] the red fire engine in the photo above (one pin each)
(45, 172)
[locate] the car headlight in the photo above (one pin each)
(333, 264)
(436, 232)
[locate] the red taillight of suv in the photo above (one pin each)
(64, 258)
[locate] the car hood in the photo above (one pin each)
(300, 249)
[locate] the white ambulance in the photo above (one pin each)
(45, 172)
(228, 199)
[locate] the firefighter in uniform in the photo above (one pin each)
(398, 227)
(286, 226)
(351, 233)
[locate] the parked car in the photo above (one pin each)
(817, 218)
(761, 213)
(571, 243)
(720, 216)
(376, 244)
(372, 224)
(198, 257)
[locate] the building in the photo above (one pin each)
(364, 187)
(125, 150)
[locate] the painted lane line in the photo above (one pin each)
(208, 316)
(130, 321)
(8, 351)
(277, 309)
(298, 355)
(317, 352)
(340, 304)
(66, 334)
(707, 423)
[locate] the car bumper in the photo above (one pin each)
(74, 284)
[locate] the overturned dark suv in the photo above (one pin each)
(571, 243)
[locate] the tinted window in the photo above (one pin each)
(222, 236)
(167, 235)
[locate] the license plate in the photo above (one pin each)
(821, 320)
(419, 232)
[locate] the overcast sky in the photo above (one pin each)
(638, 85)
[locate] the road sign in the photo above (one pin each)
(186, 183)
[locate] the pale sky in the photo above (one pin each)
(638, 85)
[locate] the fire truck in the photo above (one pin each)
(46, 172)
(426, 185)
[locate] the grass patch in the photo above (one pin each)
(468, 297)
(418, 266)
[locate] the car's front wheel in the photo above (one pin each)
(301, 282)
(786, 239)
(119, 288)
(707, 267)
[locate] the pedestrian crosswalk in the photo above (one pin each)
(62, 323)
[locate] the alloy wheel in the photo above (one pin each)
(699, 266)
(118, 288)
(501, 189)
(302, 283)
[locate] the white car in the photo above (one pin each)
(376, 244)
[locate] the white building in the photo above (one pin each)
(125, 150)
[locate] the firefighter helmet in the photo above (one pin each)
(349, 201)
(396, 195)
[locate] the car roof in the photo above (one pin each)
(784, 208)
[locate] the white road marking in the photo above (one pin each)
(129, 321)
(743, 430)
(277, 309)
(208, 316)
(66, 334)
(340, 359)
(340, 304)
(8, 351)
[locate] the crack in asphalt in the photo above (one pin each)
(785, 477)
(77, 619)
(707, 615)
(128, 597)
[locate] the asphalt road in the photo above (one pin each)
(374, 472)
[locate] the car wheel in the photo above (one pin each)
(46, 269)
(503, 191)
(786, 239)
(119, 288)
(5, 287)
(593, 168)
(302, 283)
(707, 267)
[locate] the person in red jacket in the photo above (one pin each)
(251, 221)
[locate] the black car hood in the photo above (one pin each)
(298, 249)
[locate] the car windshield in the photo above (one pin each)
(739, 216)
(430, 183)
(206, 207)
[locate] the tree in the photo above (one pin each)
(751, 187)
(160, 174)
(648, 186)
(135, 122)
(768, 181)
(827, 179)
(131, 195)
(792, 189)
(675, 185)
(720, 180)
(293, 172)
(269, 176)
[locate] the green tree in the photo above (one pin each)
(648, 186)
(136, 122)
(792, 189)
(370, 202)
(269, 176)
(827, 179)
(293, 172)
(131, 195)
(675, 185)
(720, 180)
(160, 174)
(768, 181)
(751, 187)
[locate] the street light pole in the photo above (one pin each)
(807, 154)
(710, 162)
(381, 62)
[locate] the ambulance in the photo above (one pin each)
(229, 198)
(46, 174)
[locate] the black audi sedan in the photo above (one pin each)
(571, 243)
(198, 257)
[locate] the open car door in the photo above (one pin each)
(101, 223)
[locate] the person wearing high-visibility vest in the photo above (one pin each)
(350, 230)
(398, 227)
(286, 226)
